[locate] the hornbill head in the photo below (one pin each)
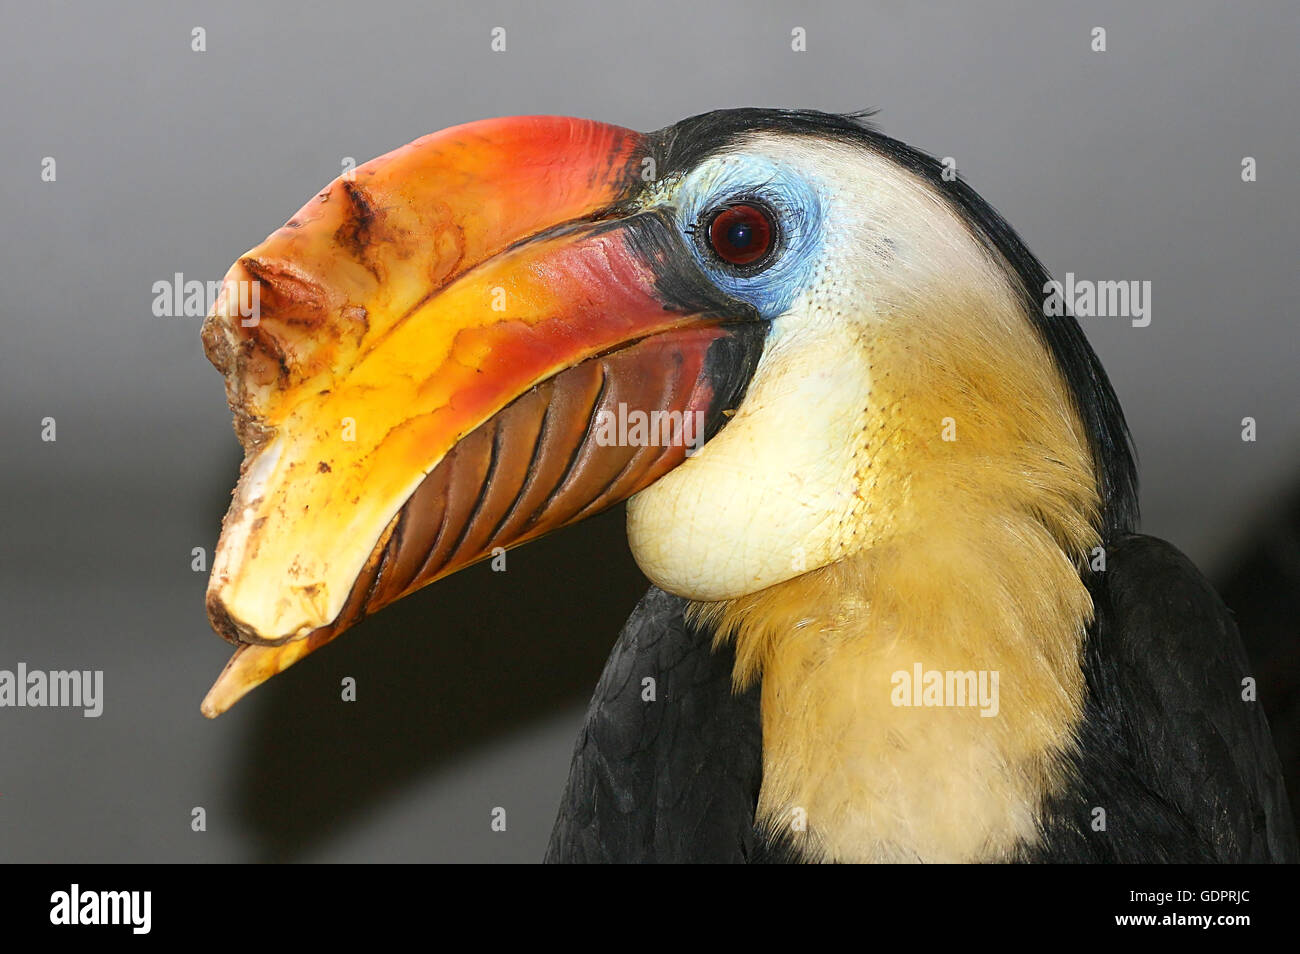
(754, 324)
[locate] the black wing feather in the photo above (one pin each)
(1183, 765)
(675, 779)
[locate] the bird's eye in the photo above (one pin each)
(742, 234)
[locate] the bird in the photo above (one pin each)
(883, 491)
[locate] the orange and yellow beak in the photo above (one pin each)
(418, 362)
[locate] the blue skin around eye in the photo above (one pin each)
(798, 211)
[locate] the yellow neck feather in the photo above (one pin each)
(976, 505)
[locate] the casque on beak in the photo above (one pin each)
(434, 341)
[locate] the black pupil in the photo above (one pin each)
(740, 235)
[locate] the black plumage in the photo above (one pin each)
(1171, 748)
(669, 778)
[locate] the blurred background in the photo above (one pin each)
(1123, 164)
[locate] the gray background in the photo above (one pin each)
(1120, 165)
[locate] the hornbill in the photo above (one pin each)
(872, 478)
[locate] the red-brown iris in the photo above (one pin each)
(741, 234)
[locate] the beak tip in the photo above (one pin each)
(249, 667)
(244, 671)
(230, 687)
